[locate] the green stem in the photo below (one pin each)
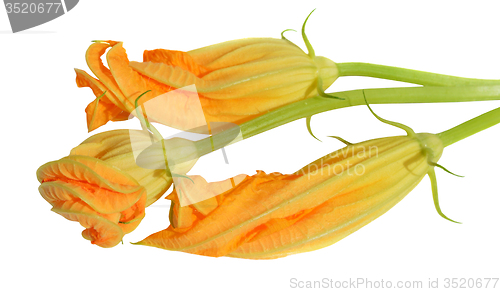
(315, 105)
(408, 75)
(470, 127)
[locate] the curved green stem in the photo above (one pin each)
(408, 75)
(315, 105)
(470, 127)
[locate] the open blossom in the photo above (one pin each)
(274, 215)
(235, 81)
(100, 186)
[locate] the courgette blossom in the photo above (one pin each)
(100, 186)
(235, 81)
(273, 215)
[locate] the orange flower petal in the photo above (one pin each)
(66, 196)
(105, 188)
(106, 110)
(93, 57)
(131, 217)
(131, 83)
(254, 80)
(346, 212)
(200, 194)
(174, 59)
(210, 56)
(99, 230)
(114, 147)
(227, 226)
(181, 217)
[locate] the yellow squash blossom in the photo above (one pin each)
(100, 185)
(235, 81)
(275, 215)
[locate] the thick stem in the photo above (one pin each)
(408, 75)
(470, 127)
(315, 105)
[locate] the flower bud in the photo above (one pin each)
(100, 186)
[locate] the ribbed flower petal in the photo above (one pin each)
(93, 58)
(131, 83)
(98, 230)
(175, 59)
(115, 149)
(105, 110)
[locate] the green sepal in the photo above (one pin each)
(409, 131)
(283, 36)
(322, 93)
(308, 124)
(341, 140)
(443, 168)
(310, 50)
(432, 177)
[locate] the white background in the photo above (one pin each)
(43, 118)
